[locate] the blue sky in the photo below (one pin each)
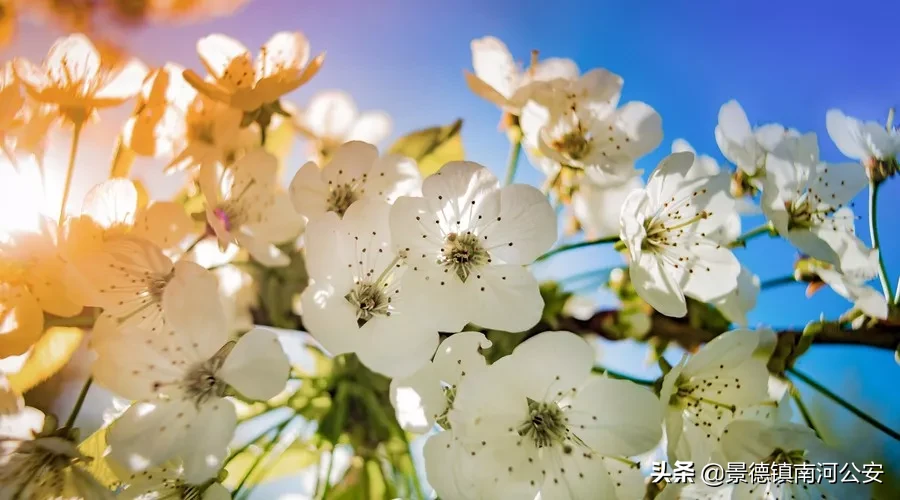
(786, 62)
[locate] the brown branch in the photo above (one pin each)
(880, 336)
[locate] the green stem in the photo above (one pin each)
(777, 282)
(897, 294)
(580, 244)
(73, 152)
(622, 376)
(742, 240)
(262, 456)
(70, 422)
(804, 411)
(842, 402)
(594, 273)
(253, 441)
(515, 149)
(873, 232)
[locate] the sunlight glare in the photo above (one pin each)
(22, 197)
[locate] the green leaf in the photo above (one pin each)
(49, 355)
(290, 463)
(95, 447)
(432, 147)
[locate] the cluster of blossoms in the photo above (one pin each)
(395, 262)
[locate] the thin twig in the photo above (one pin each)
(580, 244)
(70, 422)
(873, 233)
(742, 240)
(843, 402)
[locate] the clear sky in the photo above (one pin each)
(785, 61)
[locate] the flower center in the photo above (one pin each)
(370, 301)
(44, 459)
(203, 132)
(545, 424)
(340, 198)
(574, 144)
(201, 383)
(780, 456)
(802, 214)
(463, 253)
(659, 230)
(156, 284)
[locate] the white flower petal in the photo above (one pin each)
(847, 134)
(460, 355)
(330, 114)
(393, 176)
(372, 127)
(578, 476)
(111, 203)
(449, 469)
(257, 366)
(616, 417)
(309, 193)
(325, 250)
(349, 163)
(193, 308)
(653, 283)
(418, 399)
(205, 448)
(330, 318)
(285, 52)
(218, 53)
(551, 363)
(397, 348)
(507, 298)
(150, 433)
(495, 66)
(525, 228)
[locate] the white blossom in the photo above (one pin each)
(753, 441)
(39, 461)
(354, 171)
(331, 118)
(72, 78)
(537, 421)
(705, 391)
(281, 67)
(135, 283)
(467, 241)
(576, 124)
(806, 199)
(597, 207)
(668, 228)
(358, 299)
(179, 379)
(736, 304)
(862, 141)
(859, 265)
(744, 145)
(167, 482)
(502, 81)
(241, 206)
(424, 398)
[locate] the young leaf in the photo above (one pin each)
(432, 147)
(95, 447)
(48, 356)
